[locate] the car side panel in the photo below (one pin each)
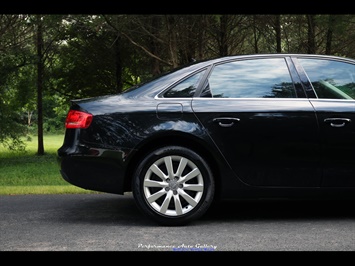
(337, 127)
(268, 142)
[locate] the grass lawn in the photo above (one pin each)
(28, 173)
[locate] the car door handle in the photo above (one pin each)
(337, 122)
(226, 121)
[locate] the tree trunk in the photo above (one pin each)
(40, 67)
(277, 28)
(328, 45)
(255, 33)
(118, 63)
(222, 35)
(311, 34)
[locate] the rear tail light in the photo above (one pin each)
(78, 119)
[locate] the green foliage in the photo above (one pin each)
(11, 128)
(91, 55)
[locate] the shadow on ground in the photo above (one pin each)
(122, 209)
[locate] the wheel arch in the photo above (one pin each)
(176, 139)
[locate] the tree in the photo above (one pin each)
(14, 55)
(40, 69)
(46, 60)
(48, 32)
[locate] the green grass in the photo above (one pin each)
(28, 173)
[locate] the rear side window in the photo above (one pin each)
(330, 79)
(186, 88)
(256, 78)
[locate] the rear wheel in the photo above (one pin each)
(173, 185)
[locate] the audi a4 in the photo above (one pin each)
(237, 127)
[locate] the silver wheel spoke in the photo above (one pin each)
(181, 167)
(188, 198)
(193, 187)
(169, 166)
(156, 170)
(165, 205)
(156, 196)
(195, 172)
(152, 183)
(178, 206)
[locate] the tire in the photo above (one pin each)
(177, 196)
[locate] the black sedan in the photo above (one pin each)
(251, 126)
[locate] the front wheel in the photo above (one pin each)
(173, 185)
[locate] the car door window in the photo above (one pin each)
(186, 88)
(257, 78)
(330, 79)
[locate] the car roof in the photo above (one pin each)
(166, 79)
(234, 57)
(151, 88)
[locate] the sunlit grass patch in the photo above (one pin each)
(25, 172)
(25, 190)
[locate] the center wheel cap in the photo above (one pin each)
(173, 184)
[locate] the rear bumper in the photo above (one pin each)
(105, 173)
